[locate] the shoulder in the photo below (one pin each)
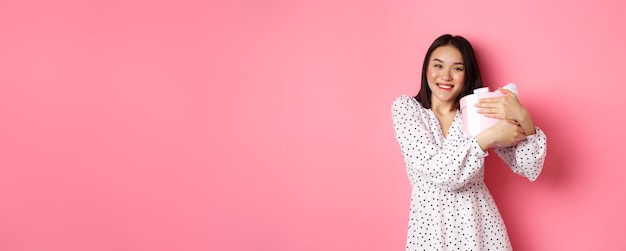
(406, 107)
(405, 102)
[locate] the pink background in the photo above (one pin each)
(265, 125)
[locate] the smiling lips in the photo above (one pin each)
(445, 86)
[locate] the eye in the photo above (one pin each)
(438, 66)
(458, 68)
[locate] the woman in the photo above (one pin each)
(451, 207)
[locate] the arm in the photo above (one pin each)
(526, 158)
(450, 166)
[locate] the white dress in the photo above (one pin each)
(451, 207)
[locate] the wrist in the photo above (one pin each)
(522, 115)
(526, 123)
(484, 141)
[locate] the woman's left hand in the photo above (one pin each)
(507, 107)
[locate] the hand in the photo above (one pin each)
(507, 107)
(503, 133)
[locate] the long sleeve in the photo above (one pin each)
(450, 164)
(527, 157)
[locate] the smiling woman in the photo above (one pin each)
(451, 207)
(446, 77)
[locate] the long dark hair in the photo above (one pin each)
(472, 73)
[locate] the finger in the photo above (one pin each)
(491, 100)
(487, 111)
(485, 100)
(507, 92)
(496, 116)
(482, 105)
(493, 115)
(514, 122)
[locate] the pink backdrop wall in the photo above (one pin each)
(265, 125)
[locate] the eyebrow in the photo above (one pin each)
(439, 60)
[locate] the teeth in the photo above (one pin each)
(445, 86)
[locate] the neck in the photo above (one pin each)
(444, 108)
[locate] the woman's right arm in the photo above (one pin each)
(451, 165)
(504, 133)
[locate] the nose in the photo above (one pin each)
(446, 76)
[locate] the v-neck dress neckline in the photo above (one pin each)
(441, 139)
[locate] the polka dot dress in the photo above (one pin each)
(451, 208)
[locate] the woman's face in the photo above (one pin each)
(445, 74)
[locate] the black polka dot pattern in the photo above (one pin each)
(451, 207)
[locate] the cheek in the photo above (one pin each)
(431, 75)
(460, 77)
